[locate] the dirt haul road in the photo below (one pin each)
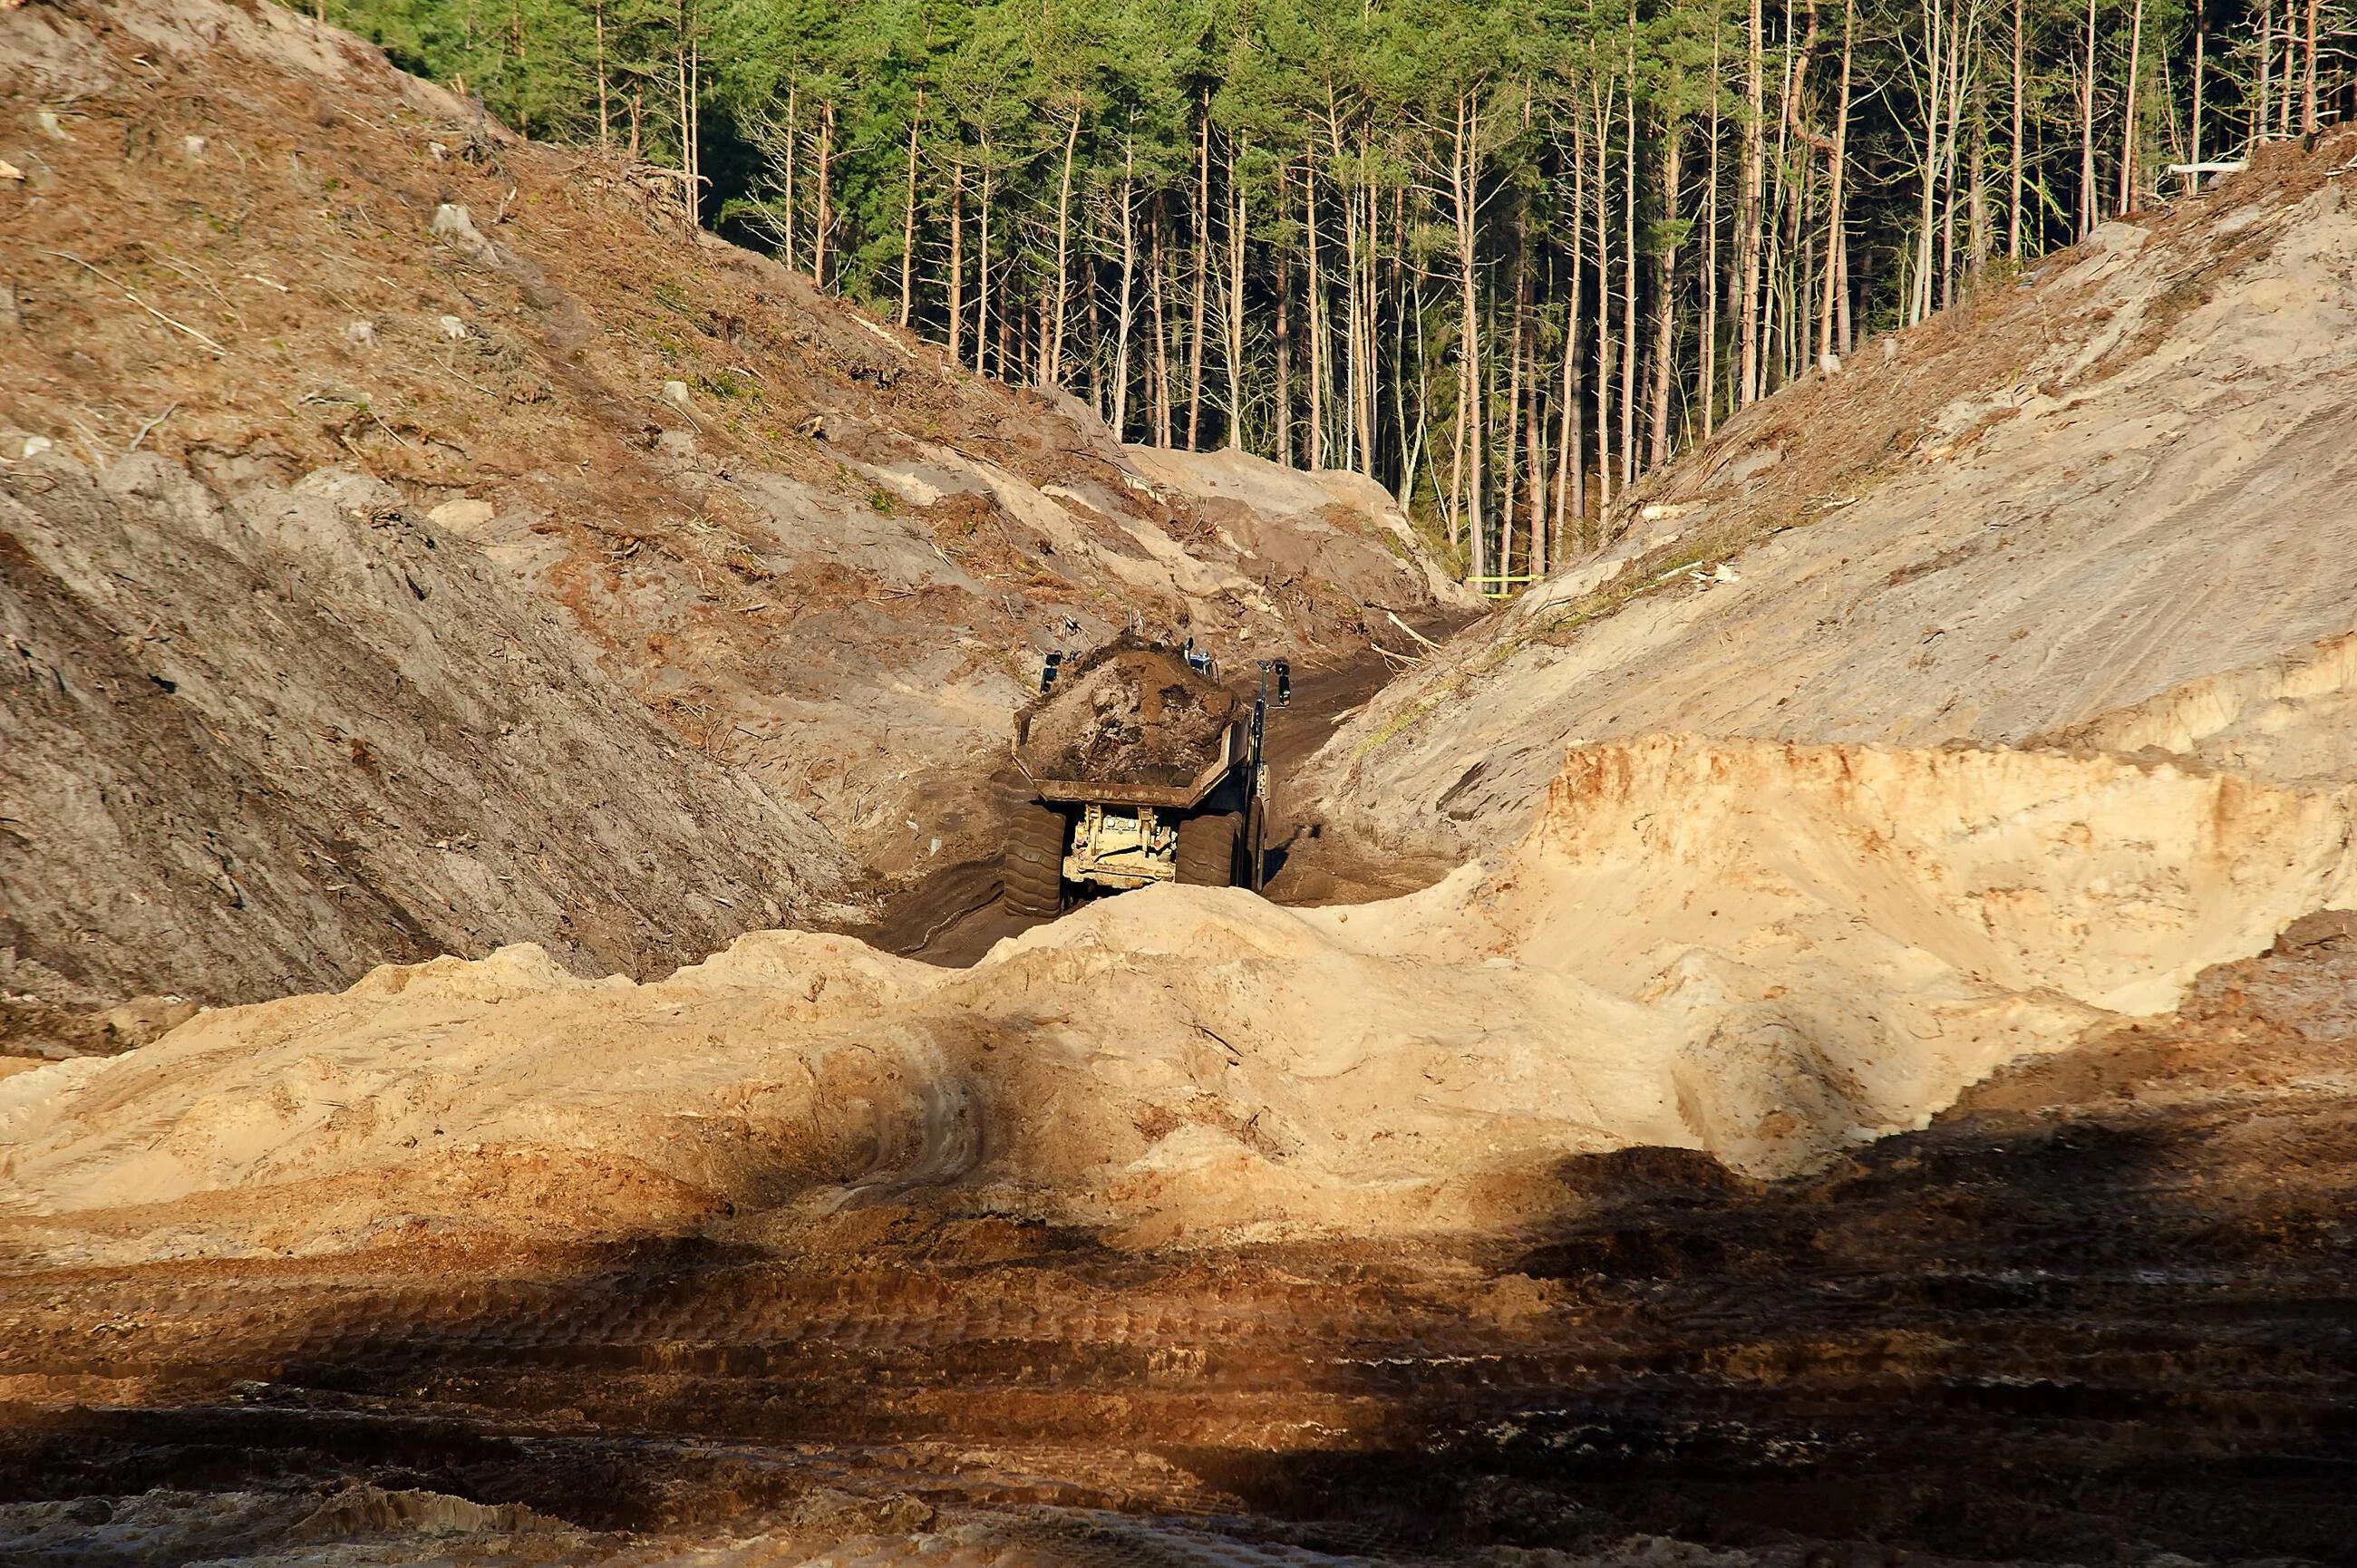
(954, 916)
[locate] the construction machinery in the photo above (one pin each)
(1136, 765)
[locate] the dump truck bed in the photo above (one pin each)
(1130, 724)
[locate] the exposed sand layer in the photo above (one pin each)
(2096, 1313)
(1765, 951)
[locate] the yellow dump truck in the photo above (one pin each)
(1136, 764)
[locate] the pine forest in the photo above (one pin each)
(1503, 257)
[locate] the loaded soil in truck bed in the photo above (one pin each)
(1127, 714)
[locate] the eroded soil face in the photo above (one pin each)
(2096, 1313)
(415, 538)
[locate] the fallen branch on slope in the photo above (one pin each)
(127, 294)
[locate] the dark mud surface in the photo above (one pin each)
(2104, 1310)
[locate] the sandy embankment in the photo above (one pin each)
(1767, 950)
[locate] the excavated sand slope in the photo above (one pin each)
(2115, 506)
(1762, 950)
(478, 547)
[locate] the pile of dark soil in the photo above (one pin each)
(1130, 713)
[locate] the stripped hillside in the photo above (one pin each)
(2113, 506)
(413, 539)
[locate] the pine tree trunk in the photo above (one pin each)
(909, 221)
(1419, 426)
(1605, 344)
(1665, 264)
(1842, 292)
(1706, 373)
(957, 263)
(1755, 149)
(686, 119)
(1570, 464)
(1959, 47)
(1485, 408)
(1628, 290)
(2087, 197)
(1977, 230)
(2201, 43)
(690, 171)
(826, 194)
(793, 161)
(1353, 346)
(1096, 334)
(1535, 426)
(1052, 362)
(1316, 310)
(982, 282)
(597, 17)
(2307, 119)
(1948, 223)
(2128, 116)
(2266, 71)
(1236, 232)
(1161, 337)
(1508, 489)
(2290, 64)
(1203, 215)
(1927, 211)
(1836, 215)
(1363, 322)
(2013, 206)
(1455, 505)
(2283, 92)
(1399, 294)
(1126, 323)
(1462, 182)
(1283, 331)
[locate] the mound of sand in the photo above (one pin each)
(1768, 952)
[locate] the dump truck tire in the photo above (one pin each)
(1032, 866)
(1206, 849)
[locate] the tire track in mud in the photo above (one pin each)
(1266, 1394)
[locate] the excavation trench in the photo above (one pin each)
(954, 916)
